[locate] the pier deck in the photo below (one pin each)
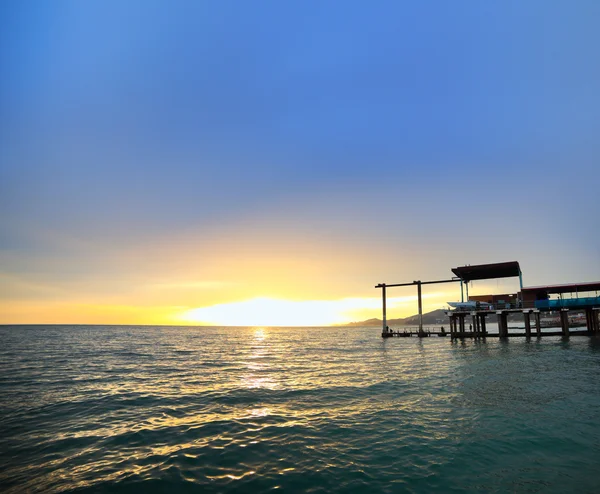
(470, 334)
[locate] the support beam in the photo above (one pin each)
(420, 306)
(589, 320)
(521, 287)
(453, 280)
(594, 313)
(527, 318)
(564, 321)
(538, 324)
(483, 330)
(384, 308)
(502, 324)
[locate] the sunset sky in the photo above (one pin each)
(270, 162)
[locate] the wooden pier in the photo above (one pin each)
(471, 335)
(530, 301)
(408, 332)
(478, 323)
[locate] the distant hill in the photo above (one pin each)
(437, 316)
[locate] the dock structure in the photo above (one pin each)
(418, 283)
(527, 302)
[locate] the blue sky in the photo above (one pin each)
(382, 141)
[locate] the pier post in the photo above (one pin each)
(589, 320)
(473, 325)
(420, 306)
(520, 288)
(502, 324)
(564, 321)
(483, 330)
(384, 308)
(527, 324)
(538, 324)
(461, 323)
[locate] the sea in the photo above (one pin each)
(317, 410)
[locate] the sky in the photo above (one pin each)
(269, 163)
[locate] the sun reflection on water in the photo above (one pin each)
(260, 412)
(258, 365)
(260, 334)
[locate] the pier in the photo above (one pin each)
(528, 303)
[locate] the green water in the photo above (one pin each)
(155, 409)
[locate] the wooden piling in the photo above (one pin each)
(564, 321)
(383, 300)
(589, 320)
(502, 324)
(420, 303)
(538, 325)
(452, 325)
(527, 319)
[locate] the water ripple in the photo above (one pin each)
(94, 409)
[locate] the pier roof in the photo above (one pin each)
(488, 271)
(590, 286)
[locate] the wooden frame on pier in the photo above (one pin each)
(419, 283)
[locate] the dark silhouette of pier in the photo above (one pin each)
(528, 302)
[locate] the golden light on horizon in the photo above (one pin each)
(265, 312)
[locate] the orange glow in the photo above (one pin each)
(276, 312)
(261, 311)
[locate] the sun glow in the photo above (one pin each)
(276, 312)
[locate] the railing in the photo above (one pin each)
(554, 304)
(568, 303)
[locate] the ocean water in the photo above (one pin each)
(186, 409)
